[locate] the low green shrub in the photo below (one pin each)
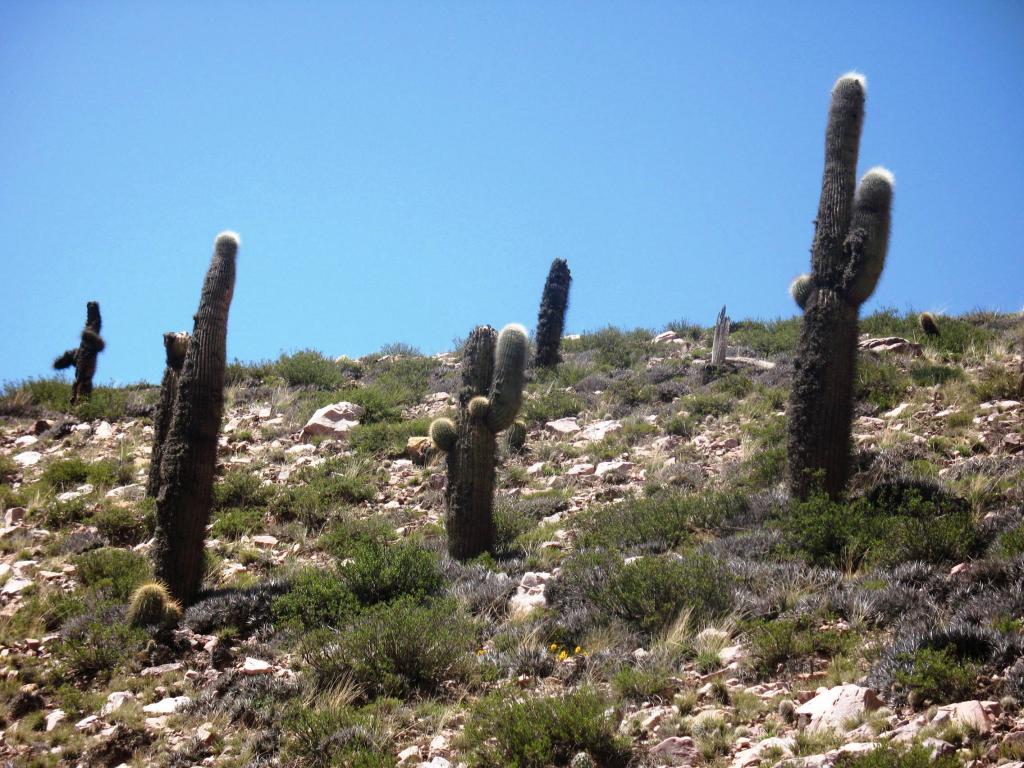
(97, 643)
(346, 534)
(309, 368)
(550, 404)
(766, 337)
(108, 473)
(889, 756)
(65, 474)
(126, 526)
(641, 685)
(650, 592)
(994, 382)
(700, 405)
(380, 572)
(387, 438)
(335, 483)
(880, 382)
(509, 729)
(787, 640)
(937, 675)
(117, 572)
(658, 521)
(235, 522)
(929, 374)
(315, 599)
(335, 736)
(892, 524)
(241, 488)
(613, 348)
(397, 649)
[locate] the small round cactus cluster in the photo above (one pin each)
(929, 324)
(151, 605)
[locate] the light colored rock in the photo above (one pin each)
(115, 701)
(523, 604)
(580, 469)
(253, 666)
(975, 714)
(27, 458)
(104, 431)
(87, 723)
(206, 733)
(82, 429)
(26, 441)
(407, 755)
(896, 412)
(167, 706)
(677, 750)
(751, 756)
(893, 344)
(54, 719)
(665, 337)
(835, 707)
(14, 515)
(613, 470)
(133, 492)
(565, 426)
(336, 420)
(417, 448)
(436, 762)
(265, 540)
(14, 586)
(599, 429)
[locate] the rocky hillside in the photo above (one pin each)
(655, 598)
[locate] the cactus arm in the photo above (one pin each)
(800, 289)
(868, 240)
(66, 360)
(509, 377)
(175, 348)
(190, 451)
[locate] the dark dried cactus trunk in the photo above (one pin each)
(470, 494)
(848, 253)
(83, 358)
(551, 320)
(190, 449)
(175, 347)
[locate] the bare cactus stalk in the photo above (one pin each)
(83, 358)
(850, 242)
(720, 342)
(189, 454)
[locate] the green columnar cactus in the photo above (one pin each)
(850, 241)
(492, 391)
(152, 604)
(929, 324)
(175, 347)
(800, 290)
(551, 320)
(189, 455)
(83, 357)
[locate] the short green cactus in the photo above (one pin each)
(847, 256)
(929, 324)
(443, 434)
(471, 442)
(800, 289)
(152, 604)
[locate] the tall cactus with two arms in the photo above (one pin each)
(850, 241)
(491, 394)
(185, 497)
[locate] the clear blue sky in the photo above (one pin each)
(404, 171)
